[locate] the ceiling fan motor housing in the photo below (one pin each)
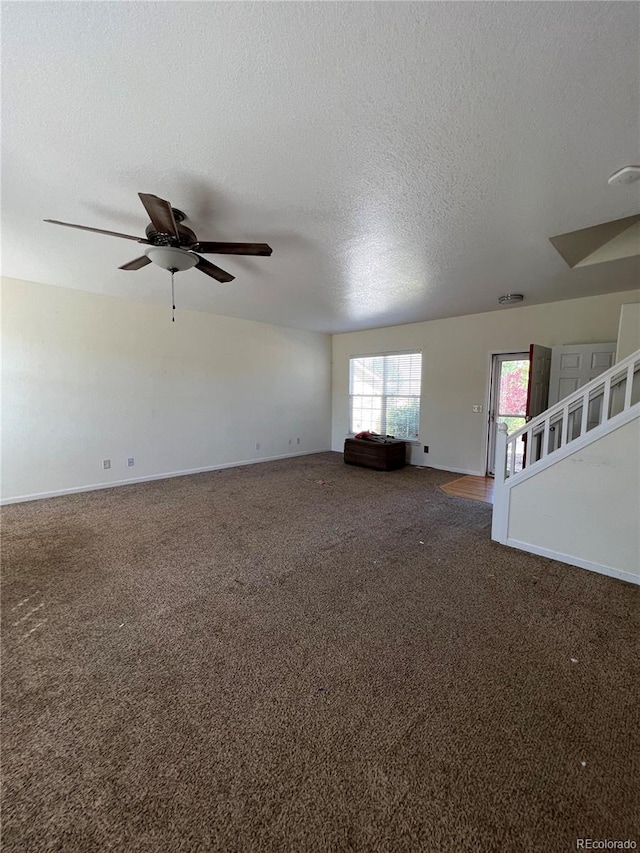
(158, 238)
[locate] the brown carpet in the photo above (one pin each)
(306, 656)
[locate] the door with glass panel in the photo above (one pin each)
(508, 400)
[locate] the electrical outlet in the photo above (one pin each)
(290, 441)
(426, 448)
(130, 462)
(106, 463)
(477, 408)
(297, 441)
(257, 445)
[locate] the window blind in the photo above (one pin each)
(384, 394)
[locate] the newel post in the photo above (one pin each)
(500, 520)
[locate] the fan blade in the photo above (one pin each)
(137, 264)
(212, 270)
(234, 248)
(160, 214)
(97, 230)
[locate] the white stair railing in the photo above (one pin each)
(607, 399)
(590, 406)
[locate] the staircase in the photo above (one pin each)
(567, 431)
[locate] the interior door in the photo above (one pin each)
(508, 399)
(574, 366)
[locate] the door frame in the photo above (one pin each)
(490, 381)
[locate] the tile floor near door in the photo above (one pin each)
(471, 488)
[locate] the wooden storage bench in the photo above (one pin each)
(384, 456)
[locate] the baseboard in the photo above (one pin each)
(574, 561)
(166, 476)
(466, 471)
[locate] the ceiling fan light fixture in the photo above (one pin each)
(170, 258)
(510, 299)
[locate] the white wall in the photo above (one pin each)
(456, 367)
(585, 507)
(87, 377)
(628, 330)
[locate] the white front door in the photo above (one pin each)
(508, 399)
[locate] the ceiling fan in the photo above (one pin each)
(172, 245)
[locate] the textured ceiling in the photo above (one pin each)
(405, 161)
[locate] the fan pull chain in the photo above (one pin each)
(173, 300)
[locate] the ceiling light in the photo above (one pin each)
(626, 175)
(510, 298)
(169, 258)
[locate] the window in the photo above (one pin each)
(384, 394)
